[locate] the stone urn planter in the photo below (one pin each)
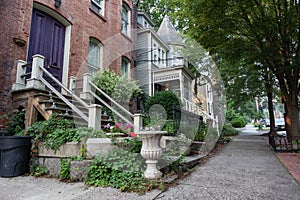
(151, 151)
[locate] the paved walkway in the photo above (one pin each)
(245, 169)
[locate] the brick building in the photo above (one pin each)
(75, 37)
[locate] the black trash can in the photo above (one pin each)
(14, 155)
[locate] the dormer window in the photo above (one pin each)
(98, 6)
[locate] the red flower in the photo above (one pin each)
(132, 134)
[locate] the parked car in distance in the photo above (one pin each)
(279, 124)
(267, 123)
(263, 122)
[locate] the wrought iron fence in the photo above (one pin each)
(284, 144)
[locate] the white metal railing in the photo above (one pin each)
(110, 99)
(192, 107)
(37, 81)
(65, 100)
(88, 93)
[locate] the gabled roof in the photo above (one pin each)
(153, 34)
(168, 33)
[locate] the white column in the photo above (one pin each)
(36, 72)
(72, 83)
(181, 82)
(20, 81)
(137, 123)
(86, 87)
(95, 116)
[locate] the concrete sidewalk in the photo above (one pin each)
(245, 169)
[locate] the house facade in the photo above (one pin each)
(74, 37)
(159, 66)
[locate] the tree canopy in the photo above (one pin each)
(252, 38)
(264, 32)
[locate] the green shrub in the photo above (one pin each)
(201, 132)
(65, 168)
(133, 145)
(169, 127)
(119, 169)
(120, 88)
(57, 131)
(238, 122)
(228, 130)
(16, 123)
(167, 99)
(38, 170)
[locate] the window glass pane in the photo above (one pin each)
(94, 55)
(125, 67)
(98, 6)
(125, 19)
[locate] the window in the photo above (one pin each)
(159, 55)
(98, 6)
(125, 19)
(163, 56)
(154, 54)
(94, 56)
(125, 67)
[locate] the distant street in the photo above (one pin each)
(251, 130)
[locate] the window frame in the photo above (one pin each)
(92, 68)
(128, 65)
(98, 8)
(127, 21)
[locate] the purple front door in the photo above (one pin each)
(47, 38)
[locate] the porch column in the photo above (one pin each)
(95, 116)
(36, 72)
(181, 82)
(86, 87)
(20, 81)
(137, 123)
(72, 83)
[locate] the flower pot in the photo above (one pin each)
(151, 151)
(14, 155)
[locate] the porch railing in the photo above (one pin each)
(37, 81)
(192, 107)
(88, 93)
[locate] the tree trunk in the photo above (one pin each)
(291, 116)
(269, 89)
(289, 89)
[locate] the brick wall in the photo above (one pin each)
(15, 17)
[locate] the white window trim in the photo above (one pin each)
(101, 6)
(128, 32)
(100, 56)
(124, 59)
